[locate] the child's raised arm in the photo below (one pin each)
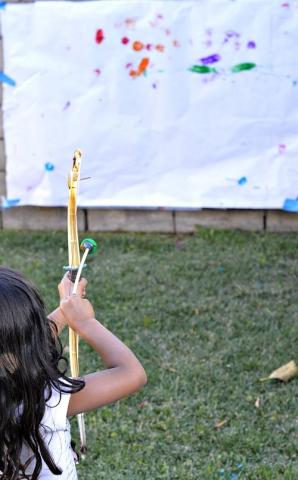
(124, 374)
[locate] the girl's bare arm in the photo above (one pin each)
(58, 318)
(124, 373)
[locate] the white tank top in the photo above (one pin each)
(55, 429)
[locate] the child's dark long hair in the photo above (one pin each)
(30, 355)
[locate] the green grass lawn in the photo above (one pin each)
(208, 315)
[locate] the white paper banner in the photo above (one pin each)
(174, 103)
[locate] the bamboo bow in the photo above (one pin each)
(73, 266)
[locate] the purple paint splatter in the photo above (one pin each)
(208, 43)
(211, 59)
(66, 106)
(231, 34)
(282, 148)
(251, 44)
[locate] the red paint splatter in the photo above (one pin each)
(160, 48)
(141, 68)
(97, 72)
(138, 46)
(176, 44)
(285, 5)
(282, 148)
(99, 36)
(125, 40)
(160, 16)
(149, 46)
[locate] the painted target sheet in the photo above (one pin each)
(174, 103)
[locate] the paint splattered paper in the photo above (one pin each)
(174, 103)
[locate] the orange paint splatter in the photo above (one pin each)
(138, 46)
(141, 68)
(160, 48)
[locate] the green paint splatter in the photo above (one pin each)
(202, 69)
(241, 67)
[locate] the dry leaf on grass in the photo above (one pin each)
(170, 369)
(284, 373)
(221, 424)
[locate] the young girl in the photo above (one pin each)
(36, 395)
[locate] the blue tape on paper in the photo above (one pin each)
(6, 79)
(10, 202)
(290, 205)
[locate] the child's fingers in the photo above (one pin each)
(81, 290)
(76, 310)
(65, 287)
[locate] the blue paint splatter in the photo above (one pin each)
(290, 205)
(6, 79)
(49, 167)
(221, 270)
(2, 5)
(10, 202)
(211, 59)
(242, 181)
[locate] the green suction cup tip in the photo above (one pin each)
(89, 243)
